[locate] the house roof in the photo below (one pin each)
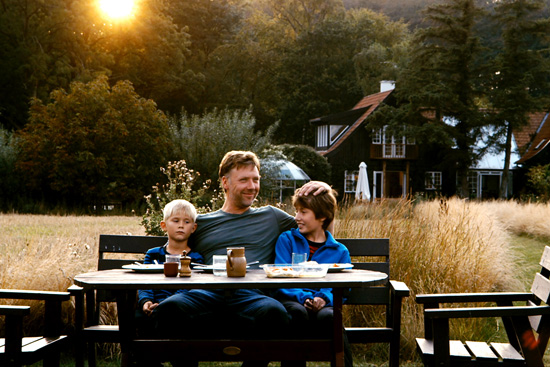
(534, 137)
(354, 117)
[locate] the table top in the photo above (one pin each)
(255, 278)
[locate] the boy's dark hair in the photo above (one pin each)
(237, 159)
(322, 205)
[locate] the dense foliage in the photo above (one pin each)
(93, 145)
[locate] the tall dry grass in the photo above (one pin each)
(46, 252)
(454, 246)
(450, 246)
(522, 218)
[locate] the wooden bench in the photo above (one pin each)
(377, 251)
(17, 350)
(527, 326)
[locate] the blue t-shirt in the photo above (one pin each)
(256, 230)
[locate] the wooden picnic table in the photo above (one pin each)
(127, 282)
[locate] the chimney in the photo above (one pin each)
(386, 85)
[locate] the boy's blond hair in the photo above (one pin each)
(180, 205)
(322, 205)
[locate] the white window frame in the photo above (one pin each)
(433, 181)
(350, 181)
(322, 136)
(393, 146)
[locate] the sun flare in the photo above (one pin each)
(117, 9)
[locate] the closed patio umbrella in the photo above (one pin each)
(362, 192)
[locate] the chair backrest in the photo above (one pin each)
(123, 244)
(541, 294)
(369, 254)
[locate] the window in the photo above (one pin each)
(394, 146)
(433, 180)
(322, 136)
(336, 131)
(350, 181)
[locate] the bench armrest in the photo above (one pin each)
(399, 289)
(433, 300)
(469, 312)
(15, 310)
(34, 295)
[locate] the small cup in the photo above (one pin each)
(299, 257)
(171, 265)
(219, 265)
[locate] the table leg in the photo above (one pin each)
(338, 328)
(126, 300)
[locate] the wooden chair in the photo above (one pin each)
(527, 326)
(390, 295)
(89, 329)
(17, 350)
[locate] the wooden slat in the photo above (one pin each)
(545, 259)
(41, 343)
(506, 351)
(481, 351)
(456, 348)
(541, 288)
(26, 340)
(367, 246)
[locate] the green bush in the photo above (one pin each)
(181, 181)
(203, 140)
(539, 178)
(307, 158)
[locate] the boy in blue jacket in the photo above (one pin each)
(178, 222)
(311, 310)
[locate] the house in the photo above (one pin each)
(343, 139)
(533, 142)
(398, 167)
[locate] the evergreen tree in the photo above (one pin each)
(439, 89)
(521, 72)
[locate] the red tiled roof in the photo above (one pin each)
(534, 137)
(372, 102)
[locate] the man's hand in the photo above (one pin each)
(314, 304)
(315, 188)
(148, 307)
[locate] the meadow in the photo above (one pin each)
(436, 246)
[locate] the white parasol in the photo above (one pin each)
(362, 192)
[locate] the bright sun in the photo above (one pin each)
(117, 9)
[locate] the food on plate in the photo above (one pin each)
(281, 271)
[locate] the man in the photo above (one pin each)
(249, 311)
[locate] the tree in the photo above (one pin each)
(439, 89)
(203, 140)
(520, 73)
(330, 67)
(94, 144)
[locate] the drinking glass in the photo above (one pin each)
(298, 257)
(219, 265)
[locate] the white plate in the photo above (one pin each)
(145, 268)
(339, 267)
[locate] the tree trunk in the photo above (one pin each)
(506, 168)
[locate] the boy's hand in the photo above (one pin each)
(315, 188)
(148, 307)
(315, 304)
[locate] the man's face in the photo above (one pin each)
(241, 186)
